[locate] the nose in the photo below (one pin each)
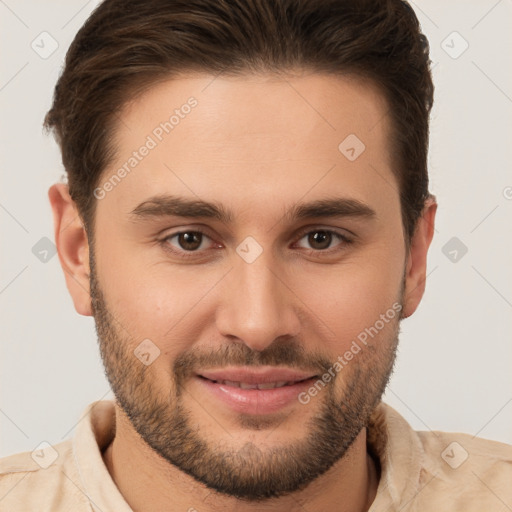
(257, 305)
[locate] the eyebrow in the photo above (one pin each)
(177, 206)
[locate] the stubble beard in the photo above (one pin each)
(246, 472)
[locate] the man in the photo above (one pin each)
(247, 218)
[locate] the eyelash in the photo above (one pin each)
(194, 254)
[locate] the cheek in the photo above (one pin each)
(155, 301)
(353, 296)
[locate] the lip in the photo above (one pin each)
(256, 375)
(255, 401)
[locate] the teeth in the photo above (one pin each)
(246, 385)
(231, 383)
(268, 385)
(272, 385)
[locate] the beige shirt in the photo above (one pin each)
(420, 471)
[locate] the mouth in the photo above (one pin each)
(255, 391)
(261, 385)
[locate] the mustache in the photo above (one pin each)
(289, 354)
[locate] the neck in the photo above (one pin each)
(149, 483)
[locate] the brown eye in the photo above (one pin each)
(187, 241)
(320, 239)
(190, 241)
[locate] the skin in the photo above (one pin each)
(257, 144)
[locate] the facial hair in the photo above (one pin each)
(248, 472)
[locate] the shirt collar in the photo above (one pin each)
(389, 438)
(93, 434)
(400, 453)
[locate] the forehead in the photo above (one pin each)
(307, 105)
(253, 136)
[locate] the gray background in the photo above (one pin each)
(453, 371)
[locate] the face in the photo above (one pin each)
(249, 339)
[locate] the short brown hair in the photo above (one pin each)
(126, 46)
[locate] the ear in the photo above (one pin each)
(72, 247)
(416, 267)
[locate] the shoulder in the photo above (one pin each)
(45, 479)
(438, 471)
(472, 471)
(462, 451)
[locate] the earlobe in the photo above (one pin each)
(72, 247)
(416, 266)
